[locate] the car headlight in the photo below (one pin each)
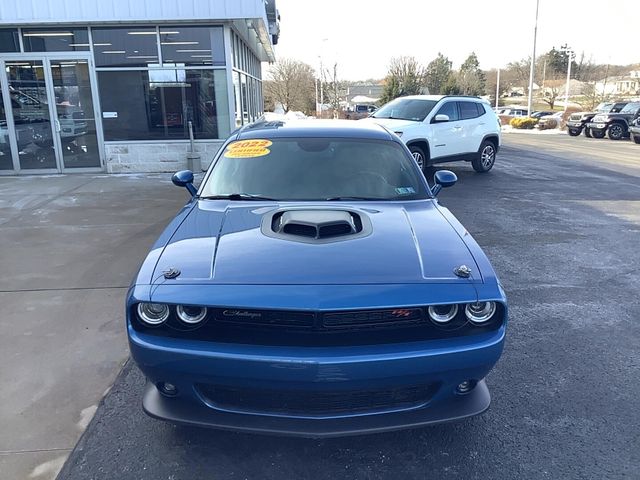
(153, 313)
(191, 314)
(480, 312)
(443, 313)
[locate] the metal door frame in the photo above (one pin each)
(46, 58)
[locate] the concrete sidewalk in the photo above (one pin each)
(69, 246)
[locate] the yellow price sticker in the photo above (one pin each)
(248, 149)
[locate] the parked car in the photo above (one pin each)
(634, 130)
(549, 122)
(313, 285)
(439, 128)
(615, 125)
(513, 111)
(577, 121)
(542, 114)
(359, 111)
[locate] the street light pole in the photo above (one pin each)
(497, 88)
(566, 92)
(533, 60)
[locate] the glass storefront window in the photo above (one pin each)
(55, 39)
(158, 104)
(9, 40)
(192, 45)
(125, 47)
(5, 147)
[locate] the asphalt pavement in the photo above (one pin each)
(559, 217)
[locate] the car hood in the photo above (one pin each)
(392, 124)
(222, 242)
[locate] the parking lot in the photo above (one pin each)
(559, 217)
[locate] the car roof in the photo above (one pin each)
(438, 97)
(314, 129)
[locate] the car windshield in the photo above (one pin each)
(631, 108)
(604, 107)
(314, 169)
(406, 109)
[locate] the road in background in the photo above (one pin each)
(561, 225)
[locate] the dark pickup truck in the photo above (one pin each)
(577, 121)
(615, 125)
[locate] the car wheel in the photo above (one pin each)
(419, 155)
(597, 133)
(587, 132)
(486, 157)
(574, 132)
(635, 138)
(615, 131)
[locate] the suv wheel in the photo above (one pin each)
(587, 132)
(597, 133)
(574, 132)
(635, 138)
(486, 157)
(419, 155)
(615, 131)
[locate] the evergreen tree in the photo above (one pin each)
(438, 73)
(471, 78)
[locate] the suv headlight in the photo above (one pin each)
(398, 133)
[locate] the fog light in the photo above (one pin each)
(168, 389)
(466, 386)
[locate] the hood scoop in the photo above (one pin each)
(316, 226)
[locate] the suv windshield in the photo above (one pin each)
(406, 109)
(631, 108)
(315, 169)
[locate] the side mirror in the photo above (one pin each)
(184, 178)
(443, 179)
(440, 118)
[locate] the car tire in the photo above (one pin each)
(486, 157)
(574, 132)
(635, 138)
(587, 132)
(420, 156)
(597, 133)
(615, 131)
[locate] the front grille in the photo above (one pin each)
(317, 328)
(315, 403)
(576, 117)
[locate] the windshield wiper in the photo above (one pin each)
(338, 199)
(236, 196)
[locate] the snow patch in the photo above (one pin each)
(48, 470)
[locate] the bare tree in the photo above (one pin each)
(291, 84)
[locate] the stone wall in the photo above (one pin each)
(155, 157)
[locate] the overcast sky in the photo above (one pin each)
(362, 35)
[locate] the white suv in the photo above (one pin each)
(439, 128)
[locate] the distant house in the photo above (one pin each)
(372, 91)
(621, 85)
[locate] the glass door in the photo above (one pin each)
(75, 120)
(30, 110)
(50, 116)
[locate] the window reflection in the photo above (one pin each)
(192, 45)
(55, 39)
(9, 41)
(158, 104)
(125, 47)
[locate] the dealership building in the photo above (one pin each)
(124, 86)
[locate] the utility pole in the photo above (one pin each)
(533, 60)
(497, 88)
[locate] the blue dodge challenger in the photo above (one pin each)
(314, 286)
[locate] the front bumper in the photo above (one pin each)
(596, 126)
(321, 371)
